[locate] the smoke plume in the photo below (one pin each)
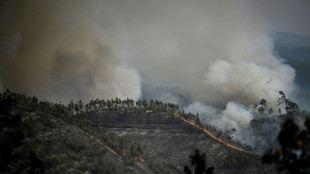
(234, 116)
(218, 51)
(57, 50)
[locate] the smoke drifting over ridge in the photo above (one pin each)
(217, 51)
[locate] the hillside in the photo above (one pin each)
(168, 141)
(295, 50)
(123, 138)
(65, 148)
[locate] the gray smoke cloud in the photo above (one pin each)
(58, 50)
(218, 51)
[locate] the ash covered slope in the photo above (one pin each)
(67, 149)
(167, 141)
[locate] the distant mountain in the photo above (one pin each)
(283, 39)
(295, 50)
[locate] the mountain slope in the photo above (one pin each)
(167, 142)
(116, 136)
(65, 148)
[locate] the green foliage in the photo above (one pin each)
(136, 150)
(122, 144)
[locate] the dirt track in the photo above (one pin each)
(214, 137)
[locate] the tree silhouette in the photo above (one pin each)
(199, 161)
(291, 108)
(81, 105)
(16, 155)
(136, 150)
(293, 155)
(70, 105)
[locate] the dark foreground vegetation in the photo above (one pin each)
(293, 154)
(43, 137)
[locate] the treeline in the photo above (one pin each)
(118, 104)
(143, 106)
(69, 113)
(72, 114)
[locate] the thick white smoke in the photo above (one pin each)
(234, 116)
(247, 80)
(217, 50)
(235, 119)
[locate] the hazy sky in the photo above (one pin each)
(286, 15)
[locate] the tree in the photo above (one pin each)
(91, 104)
(132, 102)
(103, 103)
(263, 102)
(122, 144)
(109, 104)
(139, 103)
(151, 103)
(34, 102)
(197, 121)
(144, 103)
(261, 110)
(133, 150)
(87, 107)
(96, 102)
(136, 150)
(293, 155)
(290, 107)
(70, 105)
(140, 149)
(76, 108)
(177, 107)
(81, 105)
(198, 160)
